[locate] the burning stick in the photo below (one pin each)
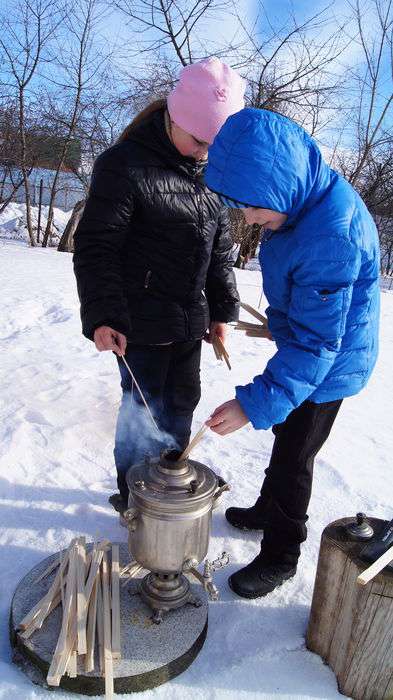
(197, 438)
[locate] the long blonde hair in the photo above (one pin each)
(155, 106)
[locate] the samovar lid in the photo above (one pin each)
(166, 477)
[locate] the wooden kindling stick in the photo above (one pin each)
(261, 332)
(87, 586)
(81, 595)
(197, 438)
(115, 593)
(254, 312)
(48, 571)
(91, 628)
(220, 350)
(376, 567)
(106, 601)
(42, 607)
(69, 631)
(215, 348)
(246, 326)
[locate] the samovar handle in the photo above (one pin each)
(131, 517)
(222, 486)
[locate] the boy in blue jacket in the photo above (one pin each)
(320, 264)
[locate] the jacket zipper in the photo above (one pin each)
(201, 223)
(187, 320)
(202, 220)
(147, 279)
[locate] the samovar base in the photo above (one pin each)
(164, 592)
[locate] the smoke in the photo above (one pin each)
(136, 435)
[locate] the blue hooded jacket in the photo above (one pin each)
(320, 269)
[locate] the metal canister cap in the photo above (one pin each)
(360, 529)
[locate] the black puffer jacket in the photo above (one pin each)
(153, 249)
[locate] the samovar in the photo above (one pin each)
(169, 520)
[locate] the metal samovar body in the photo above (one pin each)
(169, 520)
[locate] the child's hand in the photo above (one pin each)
(216, 328)
(227, 418)
(106, 338)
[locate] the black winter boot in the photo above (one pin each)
(123, 486)
(118, 503)
(248, 518)
(260, 577)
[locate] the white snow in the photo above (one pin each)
(57, 417)
(13, 222)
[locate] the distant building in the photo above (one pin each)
(48, 151)
(69, 187)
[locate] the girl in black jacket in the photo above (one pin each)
(153, 259)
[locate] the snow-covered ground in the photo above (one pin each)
(59, 401)
(13, 222)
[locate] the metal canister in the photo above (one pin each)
(170, 509)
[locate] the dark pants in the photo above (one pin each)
(169, 378)
(286, 490)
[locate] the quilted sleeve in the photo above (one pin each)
(321, 293)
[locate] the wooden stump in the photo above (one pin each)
(351, 626)
(66, 243)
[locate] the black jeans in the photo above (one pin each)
(169, 378)
(286, 490)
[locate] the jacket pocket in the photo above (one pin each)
(323, 310)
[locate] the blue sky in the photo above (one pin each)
(121, 38)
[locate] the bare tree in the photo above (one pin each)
(373, 99)
(246, 237)
(375, 184)
(23, 40)
(11, 177)
(289, 66)
(158, 79)
(174, 24)
(80, 71)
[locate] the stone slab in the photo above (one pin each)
(151, 654)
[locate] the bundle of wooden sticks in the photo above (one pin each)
(254, 330)
(220, 350)
(86, 584)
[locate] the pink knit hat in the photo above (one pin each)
(207, 93)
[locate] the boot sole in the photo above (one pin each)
(252, 596)
(247, 529)
(238, 526)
